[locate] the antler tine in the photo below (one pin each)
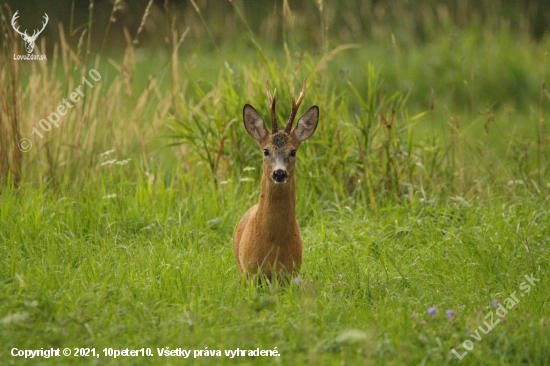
(274, 124)
(13, 24)
(295, 106)
(36, 31)
(46, 18)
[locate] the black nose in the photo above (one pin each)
(280, 175)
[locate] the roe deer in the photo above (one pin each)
(267, 238)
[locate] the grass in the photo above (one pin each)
(152, 267)
(425, 185)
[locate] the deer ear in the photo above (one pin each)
(307, 124)
(254, 124)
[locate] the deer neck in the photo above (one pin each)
(277, 206)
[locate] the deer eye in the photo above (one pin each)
(293, 153)
(266, 152)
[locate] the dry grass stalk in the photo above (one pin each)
(11, 159)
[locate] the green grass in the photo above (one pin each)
(153, 267)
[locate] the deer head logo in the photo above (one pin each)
(29, 40)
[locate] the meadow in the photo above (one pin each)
(422, 198)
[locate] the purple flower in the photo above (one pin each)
(494, 303)
(467, 331)
(431, 310)
(449, 314)
(298, 281)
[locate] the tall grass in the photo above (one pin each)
(369, 146)
(135, 262)
(10, 108)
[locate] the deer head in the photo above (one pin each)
(29, 40)
(279, 147)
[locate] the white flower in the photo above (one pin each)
(516, 182)
(107, 152)
(109, 196)
(123, 162)
(109, 162)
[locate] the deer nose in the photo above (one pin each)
(280, 175)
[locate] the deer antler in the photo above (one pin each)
(35, 34)
(295, 106)
(274, 124)
(13, 24)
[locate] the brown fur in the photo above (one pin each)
(267, 239)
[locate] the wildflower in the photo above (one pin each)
(449, 314)
(494, 303)
(109, 162)
(516, 182)
(298, 281)
(123, 162)
(106, 152)
(431, 310)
